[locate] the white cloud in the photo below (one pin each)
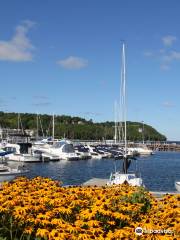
(175, 55)
(73, 63)
(3, 104)
(162, 51)
(42, 97)
(170, 56)
(41, 101)
(169, 40)
(41, 104)
(148, 53)
(165, 56)
(92, 113)
(168, 104)
(19, 48)
(165, 67)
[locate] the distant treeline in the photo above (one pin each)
(76, 127)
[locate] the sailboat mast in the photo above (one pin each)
(115, 122)
(53, 128)
(124, 95)
(123, 92)
(18, 122)
(37, 126)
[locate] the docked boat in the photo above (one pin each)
(7, 173)
(4, 153)
(113, 152)
(16, 156)
(94, 153)
(144, 151)
(103, 152)
(44, 157)
(62, 149)
(25, 158)
(120, 178)
(82, 152)
(124, 177)
(177, 186)
(133, 151)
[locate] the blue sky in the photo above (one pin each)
(64, 56)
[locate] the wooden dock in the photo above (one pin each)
(100, 182)
(164, 147)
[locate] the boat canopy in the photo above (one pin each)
(4, 153)
(61, 143)
(68, 148)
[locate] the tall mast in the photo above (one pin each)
(115, 122)
(53, 128)
(20, 126)
(123, 100)
(1, 132)
(143, 132)
(37, 126)
(18, 122)
(124, 95)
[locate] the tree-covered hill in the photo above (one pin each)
(76, 127)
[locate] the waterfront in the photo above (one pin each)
(158, 171)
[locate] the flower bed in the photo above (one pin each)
(41, 209)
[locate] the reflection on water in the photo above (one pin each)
(158, 171)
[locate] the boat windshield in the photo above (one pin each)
(68, 148)
(82, 149)
(59, 144)
(131, 177)
(10, 149)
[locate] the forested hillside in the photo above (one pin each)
(76, 127)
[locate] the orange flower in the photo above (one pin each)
(42, 232)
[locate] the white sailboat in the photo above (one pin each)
(121, 177)
(177, 186)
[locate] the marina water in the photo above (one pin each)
(159, 171)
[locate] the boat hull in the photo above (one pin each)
(129, 178)
(8, 176)
(177, 186)
(23, 158)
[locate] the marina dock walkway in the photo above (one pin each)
(102, 182)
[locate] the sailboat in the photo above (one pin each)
(124, 176)
(177, 186)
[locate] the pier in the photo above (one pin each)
(164, 147)
(100, 182)
(155, 146)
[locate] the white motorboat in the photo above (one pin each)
(177, 186)
(16, 156)
(7, 173)
(144, 150)
(82, 152)
(44, 157)
(124, 177)
(3, 153)
(63, 149)
(133, 151)
(94, 154)
(25, 158)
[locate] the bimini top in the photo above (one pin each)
(60, 143)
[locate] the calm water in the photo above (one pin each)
(158, 171)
